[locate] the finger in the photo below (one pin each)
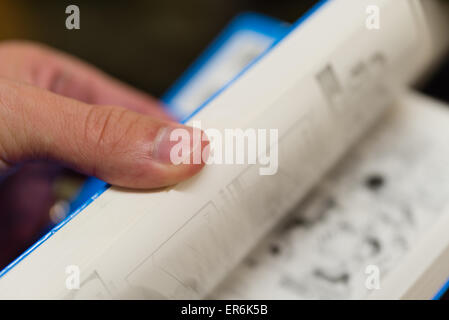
(63, 74)
(115, 144)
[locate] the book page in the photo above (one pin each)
(319, 93)
(386, 195)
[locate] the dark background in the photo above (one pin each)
(145, 43)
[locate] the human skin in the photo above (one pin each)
(56, 108)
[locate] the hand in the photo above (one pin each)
(55, 107)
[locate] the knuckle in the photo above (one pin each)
(103, 127)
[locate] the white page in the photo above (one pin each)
(323, 248)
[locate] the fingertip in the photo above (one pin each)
(173, 154)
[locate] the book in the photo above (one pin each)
(324, 86)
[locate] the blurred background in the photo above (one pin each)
(147, 44)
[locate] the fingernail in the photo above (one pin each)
(176, 145)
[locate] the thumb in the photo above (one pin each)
(112, 143)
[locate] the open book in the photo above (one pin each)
(357, 179)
